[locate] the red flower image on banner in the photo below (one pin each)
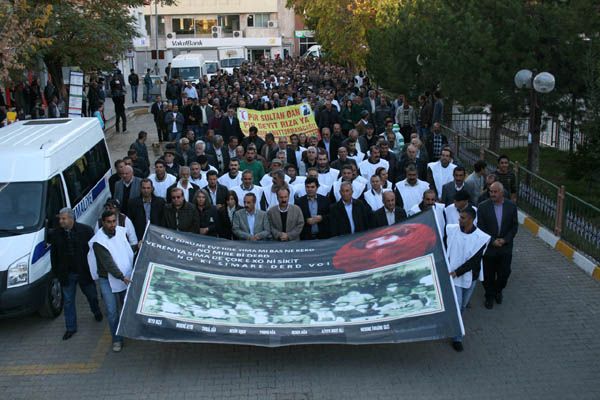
(391, 245)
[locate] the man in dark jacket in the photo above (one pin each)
(230, 126)
(350, 215)
(180, 215)
(69, 264)
(498, 218)
(390, 213)
(158, 111)
(315, 209)
(146, 207)
(134, 82)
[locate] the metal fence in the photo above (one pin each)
(566, 215)
(555, 132)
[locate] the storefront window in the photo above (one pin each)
(229, 23)
(183, 26)
(204, 26)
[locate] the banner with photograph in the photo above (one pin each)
(382, 286)
(281, 121)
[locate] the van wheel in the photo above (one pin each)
(53, 300)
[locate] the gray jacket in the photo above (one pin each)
(240, 227)
(293, 224)
(136, 185)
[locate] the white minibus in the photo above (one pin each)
(45, 165)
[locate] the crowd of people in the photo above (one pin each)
(375, 162)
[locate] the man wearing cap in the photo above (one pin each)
(465, 245)
(171, 166)
(161, 180)
(461, 202)
(122, 220)
(69, 264)
(276, 165)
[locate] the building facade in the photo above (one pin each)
(264, 27)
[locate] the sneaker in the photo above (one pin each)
(117, 346)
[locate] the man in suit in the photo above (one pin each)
(315, 209)
(450, 189)
(216, 191)
(286, 219)
(498, 218)
(389, 214)
(127, 188)
(174, 123)
(329, 144)
(146, 207)
(219, 152)
(230, 126)
(348, 215)
(251, 223)
(158, 110)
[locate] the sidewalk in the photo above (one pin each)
(130, 108)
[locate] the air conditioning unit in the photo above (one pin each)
(237, 34)
(171, 35)
(272, 24)
(216, 31)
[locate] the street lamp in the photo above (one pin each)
(543, 82)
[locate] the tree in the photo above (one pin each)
(473, 48)
(341, 25)
(22, 25)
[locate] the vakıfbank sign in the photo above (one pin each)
(207, 43)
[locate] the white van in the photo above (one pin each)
(188, 67)
(212, 67)
(45, 165)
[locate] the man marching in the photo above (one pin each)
(465, 244)
(111, 262)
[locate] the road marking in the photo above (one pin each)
(92, 365)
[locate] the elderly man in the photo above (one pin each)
(189, 189)
(69, 264)
(285, 218)
(250, 223)
(390, 213)
(201, 154)
(270, 192)
(498, 218)
(127, 188)
(179, 214)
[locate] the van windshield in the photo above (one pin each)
(232, 62)
(186, 73)
(20, 207)
(211, 68)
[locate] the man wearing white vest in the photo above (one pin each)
(111, 262)
(465, 245)
(441, 172)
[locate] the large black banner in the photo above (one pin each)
(383, 286)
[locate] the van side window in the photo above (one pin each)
(86, 172)
(55, 199)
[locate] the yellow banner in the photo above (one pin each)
(282, 121)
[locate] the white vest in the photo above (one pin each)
(121, 252)
(438, 208)
(226, 180)
(441, 175)
(461, 247)
(357, 189)
(375, 200)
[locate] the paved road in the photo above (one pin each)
(542, 343)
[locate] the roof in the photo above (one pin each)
(26, 147)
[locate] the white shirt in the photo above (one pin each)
(175, 122)
(204, 115)
(391, 216)
(374, 199)
(241, 192)
(328, 178)
(191, 92)
(441, 175)
(230, 182)
(186, 190)
(367, 168)
(411, 195)
(348, 208)
(271, 197)
(160, 187)
(200, 182)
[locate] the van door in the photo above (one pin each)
(55, 199)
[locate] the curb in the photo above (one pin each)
(580, 259)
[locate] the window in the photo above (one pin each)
(229, 23)
(55, 199)
(161, 54)
(150, 21)
(148, 25)
(21, 207)
(261, 20)
(204, 26)
(86, 172)
(183, 26)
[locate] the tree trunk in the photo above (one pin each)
(496, 121)
(55, 70)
